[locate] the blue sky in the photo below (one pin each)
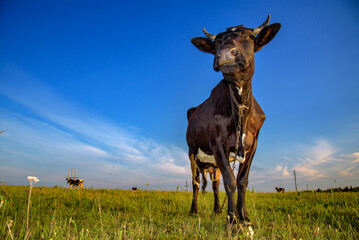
(104, 87)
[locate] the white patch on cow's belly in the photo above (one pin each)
(205, 158)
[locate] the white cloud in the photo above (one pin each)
(320, 154)
(36, 145)
(308, 171)
(355, 156)
(56, 135)
(278, 168)
(283, 171)
(350, 171)
(317, 164)
(95, 151)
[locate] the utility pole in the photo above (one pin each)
(186, 186)
(295, 181)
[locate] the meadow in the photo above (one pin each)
(60, 213)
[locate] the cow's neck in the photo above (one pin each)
(242, 89)
(241, 97)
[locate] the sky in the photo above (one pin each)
(104, 87)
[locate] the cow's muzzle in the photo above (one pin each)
(229, 60)
(229, 68)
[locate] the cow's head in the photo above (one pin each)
(234, 49)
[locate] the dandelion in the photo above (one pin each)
(33, 180)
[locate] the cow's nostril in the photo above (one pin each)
(233, 51)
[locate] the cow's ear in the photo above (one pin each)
(204, 44)
(266, 35)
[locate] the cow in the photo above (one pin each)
(75, 182)
(225, 127)
(281, 190)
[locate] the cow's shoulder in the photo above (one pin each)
(221, 88)
(190, 112)
(220, 100)
(218, 103)
(257, 115)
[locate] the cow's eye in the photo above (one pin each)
(251, 36)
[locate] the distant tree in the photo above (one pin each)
(338, 189)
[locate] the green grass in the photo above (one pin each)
(60, 213)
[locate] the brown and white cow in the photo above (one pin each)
(75, 182)
(225, 127)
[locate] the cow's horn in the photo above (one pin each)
(209, 35)
(258, 29)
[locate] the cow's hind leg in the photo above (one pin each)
(215, 177)
(195, 184)
(204, 180)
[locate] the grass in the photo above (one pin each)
(58, 213)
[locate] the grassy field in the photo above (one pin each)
(58, 213)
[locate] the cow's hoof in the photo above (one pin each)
(193, 212)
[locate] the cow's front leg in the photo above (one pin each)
(195, 184)
(242, 183)
(215, 177)
(228, 179)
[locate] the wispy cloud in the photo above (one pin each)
(317, 164)
(56, 135)
(354, 156)
(320, 154)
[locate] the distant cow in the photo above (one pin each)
(75, 182)
(279, 189)
(225, 127)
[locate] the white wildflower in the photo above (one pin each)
(250, 233)
(33, 180)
